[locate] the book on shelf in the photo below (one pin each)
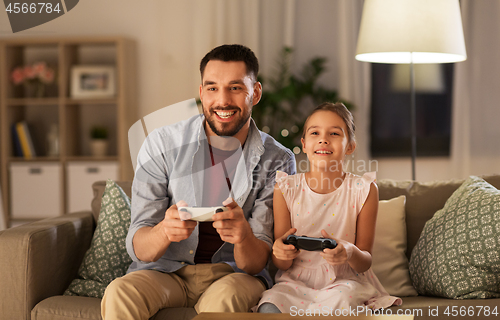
(26, 140)
(16, 143)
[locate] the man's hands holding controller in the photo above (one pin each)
(250, 253)
(231, 225)
(173, 227)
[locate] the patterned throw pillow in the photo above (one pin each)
(458, 253)
(107, 257)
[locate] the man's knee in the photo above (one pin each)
(236, 292)
(117, 299)
(141, 294)
(240, 283)
(121, 290)
(147, 285)
(116, 287)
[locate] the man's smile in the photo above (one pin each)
(224, 114)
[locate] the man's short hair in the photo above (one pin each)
(233, 52)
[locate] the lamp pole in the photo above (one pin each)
(413, 119)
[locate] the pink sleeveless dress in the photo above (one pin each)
(311, 283)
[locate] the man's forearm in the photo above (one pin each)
(149, 244)
(251, 255)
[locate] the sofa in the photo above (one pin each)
(39, 260)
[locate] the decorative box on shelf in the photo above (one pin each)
(81, 176)
(35, 190)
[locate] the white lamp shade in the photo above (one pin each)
(399, 31)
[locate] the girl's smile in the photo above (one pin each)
(323, 152)
(326, 139)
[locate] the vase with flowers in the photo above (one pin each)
(35, 78)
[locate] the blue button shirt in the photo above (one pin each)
(170, 169)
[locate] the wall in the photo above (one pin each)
(162, 30)
(172, 36)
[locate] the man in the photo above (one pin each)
(199, 162)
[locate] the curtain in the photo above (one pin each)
(476, 109)
(354, 84)
(313, 28)
(263, 26)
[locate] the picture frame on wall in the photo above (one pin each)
(93, 82)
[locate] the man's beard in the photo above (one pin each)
(228, 129)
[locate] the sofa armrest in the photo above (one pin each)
(40, 259)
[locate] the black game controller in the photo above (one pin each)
(310, 244)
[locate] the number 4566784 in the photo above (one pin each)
(32, 7)
(471, 311)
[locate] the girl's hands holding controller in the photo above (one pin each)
(285, 251)
(340, 255)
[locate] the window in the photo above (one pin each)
(390, 114)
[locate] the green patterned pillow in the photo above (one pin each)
(458, 253)
(107, 257)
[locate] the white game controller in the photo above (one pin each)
(200, 213)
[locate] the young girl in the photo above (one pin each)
(330, 203)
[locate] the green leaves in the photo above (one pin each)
(287, 99)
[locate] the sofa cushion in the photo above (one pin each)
(72, 308)
(458, 253)
(98, 189)
(389, 248)
(66, 308)
(107, 257)
(423, 199)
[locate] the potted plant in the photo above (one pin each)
(99, 141)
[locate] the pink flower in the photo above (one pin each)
(39, 71)
(29, 72)
(48, 76)
(39, 68)
(18, 75)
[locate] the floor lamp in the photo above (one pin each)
(410, 32)
(3, 223)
